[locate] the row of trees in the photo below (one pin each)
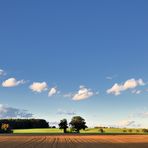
(25, 123)
(77, 123)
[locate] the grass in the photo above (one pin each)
(39, 131)
(87, 131)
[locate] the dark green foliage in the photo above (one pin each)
(25, 123)
(101, 130)
(77, 123)
(130, 130)
(5, 128)
(124, 131)
(145, 130)
(63, 125)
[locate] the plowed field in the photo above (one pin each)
(73, 141)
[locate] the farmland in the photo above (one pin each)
(73, 141)
(87, 131)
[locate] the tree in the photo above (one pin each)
(78, 123)
(63, 125)
(144, 130)
(5, 128)
(101, 130)
(130, 130)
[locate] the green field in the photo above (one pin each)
(87, 131)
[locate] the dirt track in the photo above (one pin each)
(72, 141)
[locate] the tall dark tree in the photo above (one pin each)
(78, 123)
(63, 125)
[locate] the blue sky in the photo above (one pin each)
(64, 58)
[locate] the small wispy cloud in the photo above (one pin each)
(2, 72)
(127, 123)
(54, 123)
(137, 92)
(65, 112)
(53, 91)
(143, 114)
(68, 95)
(111, 77)
(12, 82)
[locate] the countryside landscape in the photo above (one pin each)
(73, 74)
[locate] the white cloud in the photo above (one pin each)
(83, 93)
(132, 83)
(52, 91)
(109, 78)
(142, 115)
(125, 123)
(137, 92)
(38, 86)
(10, 112)
(64, 112)
(12, 82)
(54, 123)
(116, 89)
(2, 72)
(129, 84)
(68, 95)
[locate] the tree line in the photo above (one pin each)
(25, 123)
(77, 123)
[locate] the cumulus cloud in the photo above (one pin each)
(64, 112)
(52, 91)
(132, 83)
(38, 87)
(10, 112)
(2, 72)
(83, 93)
(116, 89)
(129, 84)
(12, 82)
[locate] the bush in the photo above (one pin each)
(101, 130)
(5, 128)
(124, 131)
(130, 130)
(144, 130)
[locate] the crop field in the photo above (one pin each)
(73, 141)
(87, 131)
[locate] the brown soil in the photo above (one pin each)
(73, 141)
